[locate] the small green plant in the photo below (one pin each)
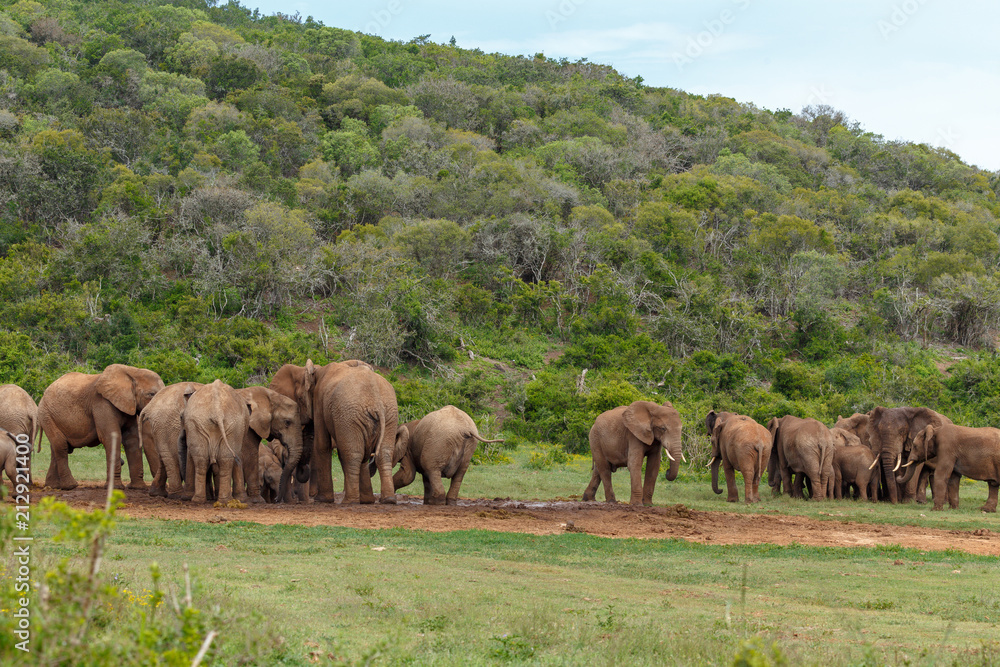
(511, 647)
(546, 457)
(754, 653)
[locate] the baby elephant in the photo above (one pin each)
(270, 458)
(441, 445)
(852, 467)
(8, 458)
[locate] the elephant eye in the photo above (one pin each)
(288, 422)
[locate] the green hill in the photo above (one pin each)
(209, 192)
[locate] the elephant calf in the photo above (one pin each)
(738, 443)
(852, 467)
(441, 445)
(8, 458)
(269, 464)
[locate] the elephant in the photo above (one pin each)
(270, 458)
(83, 410)
(739, 443)
(857, 425)
(354, 412)
(18, 414)
(272, 415)
(713, 418)
(215, 421)
(440, 445)
(8, 457)
(852, 467)
(956, 451)
(623, 437)
(803, 446)
(298, 384)
(891, 432)
(161, 437)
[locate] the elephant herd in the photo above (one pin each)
(213, 442)
(208, 442)
(862, 455)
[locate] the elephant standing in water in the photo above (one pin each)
(738, 443)
(82, 410)
(623, 437)
(958, 450)
(439, 445)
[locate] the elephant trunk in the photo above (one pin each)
(910, 468)
(888, 460)
(675, 467)
(294, 446)
(715, 475)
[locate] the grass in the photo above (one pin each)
(476, 597)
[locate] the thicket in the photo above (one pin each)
(210, 192)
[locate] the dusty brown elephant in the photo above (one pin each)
(298, 383)
(272, 415)
(857, 425)
(803, 446)
(83, 410)
(852, 467)
(891, 432)
(18, 414)
(440, 445)
(8, 459)
(215, 420)
(270, 461)
(354, 412)
(739, 443)
(622, 437)
(957, 451)
(161, 433)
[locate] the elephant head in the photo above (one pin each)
(297, 382)
(891, 431)
(845, 438)
(924, 447)
(127, 388)
(400, 449)
(716, 453)
(651, 423)
(273, 415)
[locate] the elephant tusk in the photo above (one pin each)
(899, 460)
(710, 462)
(683, 458)
(667, 452)
(874, 463)
(908, 464)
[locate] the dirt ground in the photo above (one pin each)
(548, 518)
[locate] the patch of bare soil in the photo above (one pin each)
(548, 518)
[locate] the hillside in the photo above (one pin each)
(209, 192)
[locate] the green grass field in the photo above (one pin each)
(477, 597)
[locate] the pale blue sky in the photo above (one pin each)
(920, 70)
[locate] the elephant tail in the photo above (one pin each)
(37, 433)
(482, 439)
(761, 463)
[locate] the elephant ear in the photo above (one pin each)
(773, 426)
(710, 420)
(716, 433)
(637, 420)
(260, 418)
(930, 442)
(117, 386)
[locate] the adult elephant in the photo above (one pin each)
(354, 412)
(803, 446)
(623, 437)
(85, 410)
(739, 443)
(852, 470)
(440, 445)
(161, 436)
(215, 420)
(18, 414)
(272, 415)
(891, 432)
(957, 451)
(857, 425)
(298, 383)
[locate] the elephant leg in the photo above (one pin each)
(168, 477)
(602, 469)
(200, 478)
(239, 484)
(790, 483)
(991, 501)
(748, 492)
(922, 483)
(251, 474)
(954, 482)
(862, 487)
(652, 471)
(437, 496)
(224, 486)
(635, 456)
(428, 491)
(321, 471)
(456, 480)
(941, 479)
(156, 467)
(796, 486)
(58, 475)
(733, 495)
(112, 455)
(351, 466)
(191, 471)
(595, 481)
(133, 454)
(367, 496)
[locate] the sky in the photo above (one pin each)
(926, 71)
